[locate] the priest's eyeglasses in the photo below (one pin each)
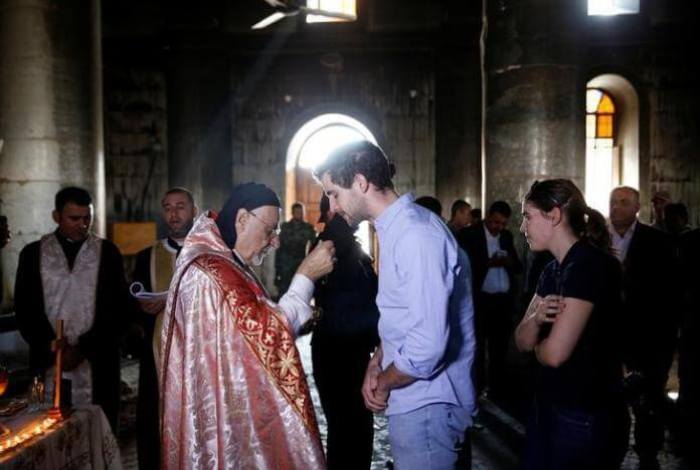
(272, 232)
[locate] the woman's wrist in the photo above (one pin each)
(537, 321)
(534, 316)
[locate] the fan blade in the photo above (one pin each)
(267, 21)
(330, 14)
(276, 3)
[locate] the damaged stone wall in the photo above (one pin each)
(392, 94)
(674, 136)
(385, 70)
(458, 126)
(135, 142)
(649, 49)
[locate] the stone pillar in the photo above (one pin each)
(535, 103)
(29, 163)
(46, 114)
(98, 143)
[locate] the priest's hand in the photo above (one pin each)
(152, 306)
(319, 262)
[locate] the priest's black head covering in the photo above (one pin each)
(246, 196)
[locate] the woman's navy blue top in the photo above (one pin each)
(592, 376)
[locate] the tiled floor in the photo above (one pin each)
(491, 448)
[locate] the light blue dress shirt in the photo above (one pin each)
(426, 310)
(496, 280)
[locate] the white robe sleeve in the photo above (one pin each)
(295, 303)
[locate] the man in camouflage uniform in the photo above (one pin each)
(295, 235)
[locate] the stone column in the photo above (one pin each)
(29, 162)
(46, 114)
(535, 103)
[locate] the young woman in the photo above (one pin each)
(578, 418)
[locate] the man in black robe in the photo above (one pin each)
(75, 276)
(343, 339)
(154, 269)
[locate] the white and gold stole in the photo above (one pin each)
(162, 267)
(70, 295)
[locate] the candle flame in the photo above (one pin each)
(12, 442)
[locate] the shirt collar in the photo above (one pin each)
(172, 245)
(489, 235)
(238, 258)
(67, 240)
(387, 217)
(628, 233)
(570, 254)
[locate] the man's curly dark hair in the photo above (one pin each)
(363, 158)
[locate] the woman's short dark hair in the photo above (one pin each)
(500, 207)
(363, 158)
(431, 203)
(180, 190)
(459, 205)
(585, 222)
(77, 196)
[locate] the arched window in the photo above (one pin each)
(346, 7)
(612, 7)
(600, 112)
(612, 138)
(602, 165)
(309, 147)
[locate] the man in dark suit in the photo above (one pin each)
(650, 314)
(494, 263)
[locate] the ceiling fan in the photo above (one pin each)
(287, 8)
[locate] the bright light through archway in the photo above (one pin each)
(612, 7)
(322, 135)
(316, 139)
(319, 144)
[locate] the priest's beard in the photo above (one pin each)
(182, 232)
(257, 259)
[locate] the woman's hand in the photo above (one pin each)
(548, 308)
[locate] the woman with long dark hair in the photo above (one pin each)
(573, 326)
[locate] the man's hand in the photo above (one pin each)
(319, 262)
(547, 310)
(373, 401)
(498, 260)
(72, 357)
(152, 306)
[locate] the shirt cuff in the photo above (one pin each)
(302, 287)
(405, 367)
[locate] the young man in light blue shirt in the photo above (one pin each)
(420, 374)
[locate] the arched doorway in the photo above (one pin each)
(311, 144)
(612, 138)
